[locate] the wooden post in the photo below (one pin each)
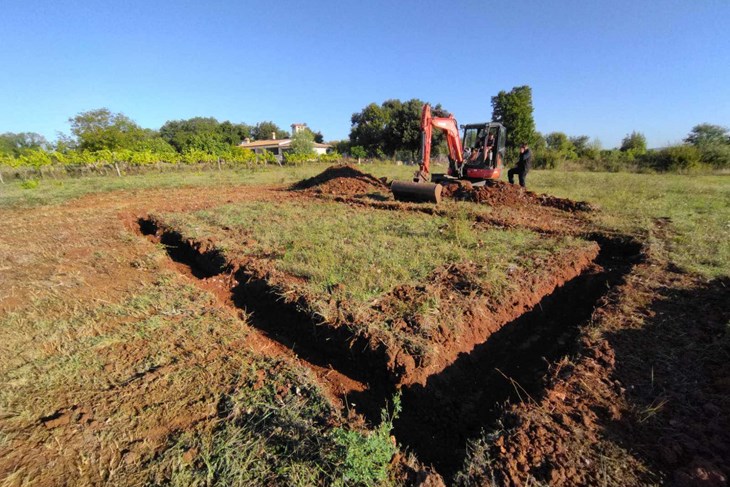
(219, 164)
(1, 178)
(116, 166)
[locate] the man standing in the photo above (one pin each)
(523, 165)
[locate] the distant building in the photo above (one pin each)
(279, 146)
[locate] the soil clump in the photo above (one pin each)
(499, 193)
(342, 179)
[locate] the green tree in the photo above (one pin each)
(359, 152)
(706, 134)
(265, 130)
(514, 109)
(234, 133)
(368, 128)
(634, 143)
(341, 146)
(382, 130)
(197, 133)
(16, 144)
(560, 143)
(101, 129)
(404, 128)
(581, 143)
(316, 136)
(303, 143)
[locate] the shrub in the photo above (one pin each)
(716, 155)
(296, 159)
(332, 157)
(547, 159)
(675, 158)
(29, 184)
(367, 456)
(240, 155)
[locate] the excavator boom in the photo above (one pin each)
(421, 189)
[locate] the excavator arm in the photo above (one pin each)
(450, 128)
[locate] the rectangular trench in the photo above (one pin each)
(468, 397)
(456, 404)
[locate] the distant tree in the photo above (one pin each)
(403, 132)
(197, 133)
(234, 133)
(560, 143)
(204, 134)
(359, 152)
(15, 144)
(580, 143)
(64, 143)
(539, 143)
(394, 126)
(101, 129)
(341, 146)
(265, 130)
(706, 134)
(316, 136)
(368, 128)
(302, 143)
(514, 109)
(634, 143)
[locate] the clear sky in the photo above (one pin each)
(598, 68)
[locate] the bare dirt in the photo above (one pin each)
(343, 179)
(499, 193)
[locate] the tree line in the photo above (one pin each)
(102, 137)
(392, 130)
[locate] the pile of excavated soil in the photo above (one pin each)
(342, 179)
(499, 193)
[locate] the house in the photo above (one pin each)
(279, 146)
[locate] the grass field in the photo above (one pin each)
(358, 254)
(698, 206)
(115, 368)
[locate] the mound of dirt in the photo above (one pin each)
(342, 179)
(499, 193)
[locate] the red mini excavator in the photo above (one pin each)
(477, 157)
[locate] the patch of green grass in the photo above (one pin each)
(273, 430)
(359, 254)
(698, 208)
(13, 194)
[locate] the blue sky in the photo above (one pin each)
(597, 68)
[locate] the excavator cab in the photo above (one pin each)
(484, 151)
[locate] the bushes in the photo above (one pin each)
(547, 159)
(676, 158)
(331, 158)
(294, 158)
(716, 155)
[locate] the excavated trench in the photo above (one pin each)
(287, 323)
(467, 397)
(456, 404)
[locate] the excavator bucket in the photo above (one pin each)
(417, 192)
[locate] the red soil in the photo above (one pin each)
(499, 193)
(343, 179)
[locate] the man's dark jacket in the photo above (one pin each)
(525, 160)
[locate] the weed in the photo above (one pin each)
(367, 455)
(30, 184)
